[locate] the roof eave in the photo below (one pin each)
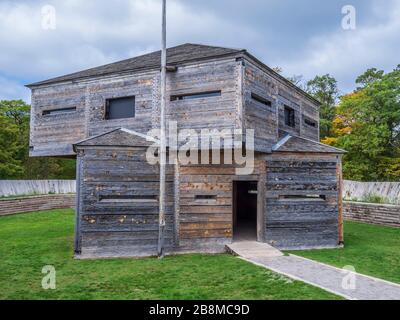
(127, 71)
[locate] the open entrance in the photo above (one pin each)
(245, 210)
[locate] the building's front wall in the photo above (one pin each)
(206, 224)
(109, 223)
(298, 203)
(53, 135)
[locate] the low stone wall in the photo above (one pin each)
(36, 203)
(384, 214)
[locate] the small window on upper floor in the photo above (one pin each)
(58, 111)
(260, 99)
(120, 108)
(310, 123)
(199, 95)
(289, 117)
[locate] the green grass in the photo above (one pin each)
(30, 241)
(371, 249)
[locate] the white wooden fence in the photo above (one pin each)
(360, 191)
(352, 190)
(35, 187)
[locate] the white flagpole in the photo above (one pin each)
(163, 152)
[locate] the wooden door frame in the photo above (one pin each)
(260, 180)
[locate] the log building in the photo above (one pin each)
(102, 116)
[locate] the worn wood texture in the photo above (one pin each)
(268, 120)
(208, 222)
(119, 202)
(301, 201)
(236, 77)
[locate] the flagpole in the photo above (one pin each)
(163, 152)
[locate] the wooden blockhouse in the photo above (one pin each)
(102, 116)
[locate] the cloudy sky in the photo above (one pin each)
(303, 37)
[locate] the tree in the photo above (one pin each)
(15, 162)
(369, 76)
(367, 125)
(324, 89)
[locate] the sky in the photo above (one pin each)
(44, 39)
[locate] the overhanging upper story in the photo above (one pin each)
(207, 87)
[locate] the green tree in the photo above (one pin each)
(369, 76)
(15, 162)
(324, 89)
(367, 125)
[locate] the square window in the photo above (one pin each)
(120, 108)
(289, 117)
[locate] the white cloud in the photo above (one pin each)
(89, 34)
(346, 54)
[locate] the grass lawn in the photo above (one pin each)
(371, 249)
(30, 241)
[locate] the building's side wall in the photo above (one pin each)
(114, 227)
(257, 116)
(269, 121)
(53, 135)
(293, 220)
(310, 112)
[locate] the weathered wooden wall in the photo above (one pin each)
(115, 227)
(36, 203)
(258, 116)
(213, 112)
(384, 214)
(206, 224)
(302, 222)
(311, 112)
(35, 187)
(53, 135)
(268, 121)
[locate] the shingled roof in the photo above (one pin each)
(175, 55)
(297, 144)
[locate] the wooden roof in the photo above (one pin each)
(184, 53)
(175, 55)
(118, 138)
(297, 144)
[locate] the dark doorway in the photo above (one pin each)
(245, 210)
